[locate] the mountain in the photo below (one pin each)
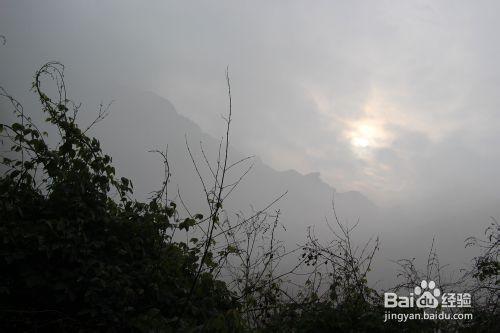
(143, 121)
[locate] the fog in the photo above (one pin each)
(392, 106)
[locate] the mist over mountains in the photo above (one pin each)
(140, 122)
(393, 73)
(378, 117)
(143, 121)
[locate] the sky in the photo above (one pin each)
(396, 99)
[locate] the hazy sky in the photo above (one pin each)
(397, 99)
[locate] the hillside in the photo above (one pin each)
(142, 121)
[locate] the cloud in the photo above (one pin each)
(413, 84)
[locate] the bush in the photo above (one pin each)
(77, 257)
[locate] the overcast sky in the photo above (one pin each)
(397, 99)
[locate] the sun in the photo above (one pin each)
(360, 142)
(366, 135)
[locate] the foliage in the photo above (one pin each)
(485, 277)
(76, 258)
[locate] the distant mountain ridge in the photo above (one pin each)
(142, 121)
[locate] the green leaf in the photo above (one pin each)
(187, 223)
(17, 127)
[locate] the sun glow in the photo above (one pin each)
(366, 134)
(368, 131)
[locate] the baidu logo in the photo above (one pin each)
(427, 295)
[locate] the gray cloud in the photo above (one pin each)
(303, 76)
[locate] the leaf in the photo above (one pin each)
(17, 127)
(187, 223)
(232, 249)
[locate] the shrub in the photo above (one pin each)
(77, 253)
